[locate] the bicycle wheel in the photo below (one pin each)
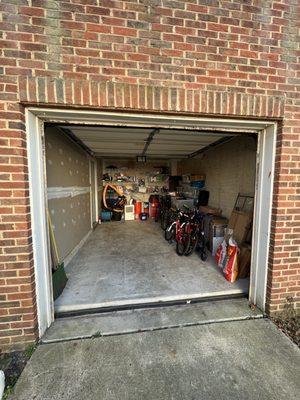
(170, 233)
(192, 244)
(183, 244)
(165, 220)
(162, 218)
(157, 214)
(203, 255)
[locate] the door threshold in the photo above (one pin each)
(124, 322)
(129, 304)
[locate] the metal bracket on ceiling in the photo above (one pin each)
(211, 145)
(149, 140)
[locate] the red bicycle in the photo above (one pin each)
(183, 236)
(197, 238)
(178, 230)
(186, 229)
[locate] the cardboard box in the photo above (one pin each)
(210, 210)
(244, 259)
(240, 223)
(217, 229)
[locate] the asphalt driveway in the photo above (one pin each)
(248, 359)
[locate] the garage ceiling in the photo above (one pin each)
(152, 142)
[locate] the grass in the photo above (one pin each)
(8, 391)
(13, 365)
(288, 321)
(30, 350)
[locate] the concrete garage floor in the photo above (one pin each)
(127, 263)
(242, 360)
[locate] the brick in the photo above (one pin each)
(98, 28)
(114, 21)
(33, 47)
(124, 31)
(172, 37)
(182, 57)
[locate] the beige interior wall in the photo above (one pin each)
(229, 168)
(133, 168)
(67, 167)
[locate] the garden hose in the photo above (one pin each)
(120, 203)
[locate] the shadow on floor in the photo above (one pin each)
(130, 262)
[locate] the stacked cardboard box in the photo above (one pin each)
(240, 225)
(240, 222)
(217, 228)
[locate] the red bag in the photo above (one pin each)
(231, 269)
(220, 255)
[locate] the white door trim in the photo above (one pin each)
(266, 148)
(263, 201)
(91, 191)
(39, 225)
(96, 192)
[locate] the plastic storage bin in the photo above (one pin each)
(105, 215)
(198, 184)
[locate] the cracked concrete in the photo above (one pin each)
(147, 319)
(242, 360)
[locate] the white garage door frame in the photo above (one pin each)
(35, 118)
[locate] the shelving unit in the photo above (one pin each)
(141, 178)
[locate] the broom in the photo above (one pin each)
(59, 277)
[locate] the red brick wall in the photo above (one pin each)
(237, 58)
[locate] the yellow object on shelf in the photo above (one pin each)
(197, 178)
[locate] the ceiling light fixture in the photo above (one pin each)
(141, 159)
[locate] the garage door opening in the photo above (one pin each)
(125, 261)
(129, 262)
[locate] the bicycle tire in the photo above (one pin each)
(157, 215)
(162, 219)
(170, 233)
(203, 255)
(181, 247)
(165, 221)
(192, 244)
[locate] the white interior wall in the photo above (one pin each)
(230, 168)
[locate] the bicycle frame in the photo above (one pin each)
(179, 230)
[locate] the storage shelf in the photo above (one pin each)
(134, 183)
